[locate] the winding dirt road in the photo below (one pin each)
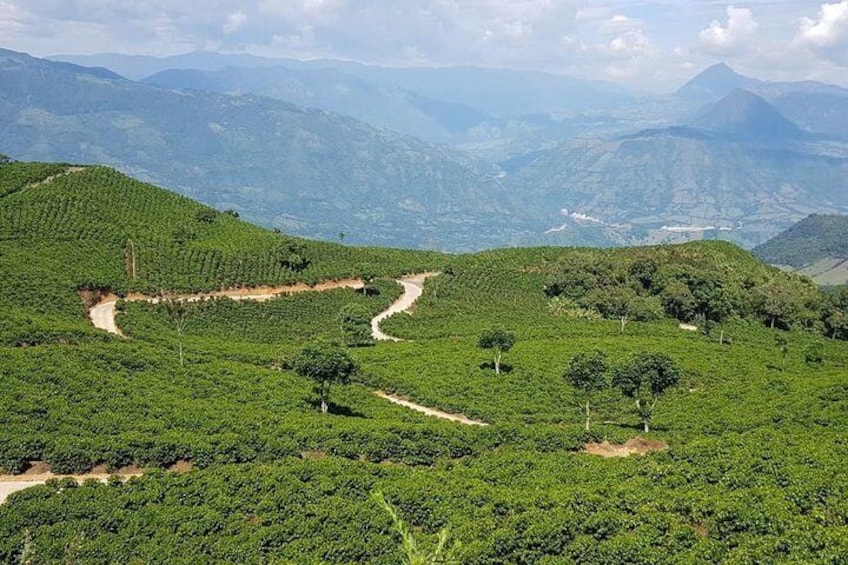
(413, 288)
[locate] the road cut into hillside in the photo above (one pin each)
(102, 313)
(413, 288)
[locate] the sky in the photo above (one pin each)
(651, 45)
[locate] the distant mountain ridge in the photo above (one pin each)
(309, 172)
(330, 89)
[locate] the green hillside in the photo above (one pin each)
(754, 466)
(815, 238)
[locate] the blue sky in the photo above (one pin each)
(652, 45)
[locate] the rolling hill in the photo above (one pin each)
(235, 463)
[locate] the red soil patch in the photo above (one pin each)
(634, 446)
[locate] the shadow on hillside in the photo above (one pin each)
(337, 409)
(490, 366)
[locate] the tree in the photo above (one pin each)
(4, 159)
(445, 553)
(783, 345)
(355, 323)
(623, 303)
(178, 314)
(500, 341)
(291, 255)
(645, 378)
(587, 371)
(779, 304)
(325, 363)
(367, 282)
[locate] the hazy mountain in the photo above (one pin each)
(137, 67)
(743, 114)
(678, 183)
(329, 89)
(716, 82)
(822, 113)
(307, 171)
(815, 237)
(499, 92)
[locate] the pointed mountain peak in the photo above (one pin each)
(744, 114)
(716, 82)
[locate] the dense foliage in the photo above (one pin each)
(754, 472)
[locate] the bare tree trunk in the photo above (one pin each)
(498, 363)
(772, 322)
(623, 323)
(721, 337)
(324, 391)
(588, 415)
(180, 345)
(647, 428)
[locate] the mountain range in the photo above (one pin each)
(327, 147)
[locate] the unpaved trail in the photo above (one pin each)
(10, 484)
(459, 418)
(51, 178)
(413, 288)
(102, 314)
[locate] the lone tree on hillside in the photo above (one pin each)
(587, 371)
(645, 379)
(355, 323)
(178, 313)
(498, 340)
(325, 363)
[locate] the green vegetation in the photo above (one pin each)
(587, 372)
(499, 341)
(324, 363)
(645, 379)
(755, 466)
(814, 238)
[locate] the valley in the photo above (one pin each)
(430, 158)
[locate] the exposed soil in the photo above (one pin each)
(413, 288)
(39, 473)
(634, 446)
(51, 178)
(459, 418)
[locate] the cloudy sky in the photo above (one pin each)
(647, 44)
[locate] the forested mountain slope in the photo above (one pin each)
(306, 171)
(816, 246)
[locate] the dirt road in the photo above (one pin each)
(413, 288)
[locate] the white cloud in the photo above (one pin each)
(827, 35)
(235, 21)
(731, 38)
